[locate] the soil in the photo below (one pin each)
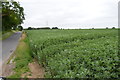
(7, 69)
(23, 37)
(36, 71)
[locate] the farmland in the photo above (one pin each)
(76, 53)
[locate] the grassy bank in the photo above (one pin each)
(0, 35)
(6, 34)
(22, 57)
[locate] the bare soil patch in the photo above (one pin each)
(36, 71)
(7, 69)
(23, 36)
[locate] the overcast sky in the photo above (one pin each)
(70, 13)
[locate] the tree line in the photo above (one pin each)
(30, 28)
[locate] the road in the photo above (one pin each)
(8, 47)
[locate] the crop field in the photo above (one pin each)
(76, 53)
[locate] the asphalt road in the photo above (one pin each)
(8, 47)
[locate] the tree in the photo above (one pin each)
(113, 27)
(54, 27)
(12, 15)
(29, 28)
(44, 28)
(20, 28)
(106, 27)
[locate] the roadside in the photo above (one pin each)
(36, 71)
(8, 46)
(6, 34)
(23, 65)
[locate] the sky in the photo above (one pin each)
(70, 14)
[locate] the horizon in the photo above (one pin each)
(71, 13)
(72, 28)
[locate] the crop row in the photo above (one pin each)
(76, 53)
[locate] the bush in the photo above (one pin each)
(20, 28)
(113, 27)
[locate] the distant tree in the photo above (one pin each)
(45, 28)
(20, 28)
(92, 28)
(29, 28)
(106, 27)
(54, 27)
(113, 27)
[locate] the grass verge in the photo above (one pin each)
(6, 34)
(22, 57)
(0, 35)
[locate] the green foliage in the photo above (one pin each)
(76, 53)
(20, 28)
(6, 34)
(54, 27)
(12, 15)
(113, 27)
(22, 59)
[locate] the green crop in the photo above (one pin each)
(76, 53)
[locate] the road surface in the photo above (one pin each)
(8, 47)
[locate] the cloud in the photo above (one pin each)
(70, 13)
